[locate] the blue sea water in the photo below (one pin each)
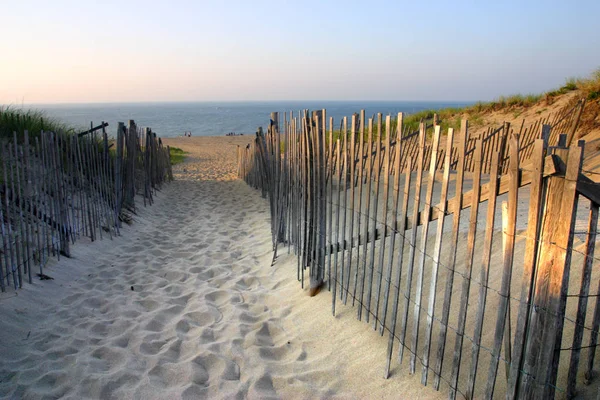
(218, 118)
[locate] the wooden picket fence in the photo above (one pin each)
(397, 238)
(57, 188)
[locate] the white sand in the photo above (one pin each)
(208, 317)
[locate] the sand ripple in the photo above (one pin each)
(174, 310)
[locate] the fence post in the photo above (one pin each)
(547, 316)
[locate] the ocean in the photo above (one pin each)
(218, 118)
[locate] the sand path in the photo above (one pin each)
(186, 305)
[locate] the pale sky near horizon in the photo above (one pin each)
(119, 51)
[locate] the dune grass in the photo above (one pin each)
(177, 155)
(590, 86)
(34, 121)
(450, 117)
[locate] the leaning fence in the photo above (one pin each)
(476, 264)
(57, 188)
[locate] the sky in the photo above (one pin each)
(144, 51)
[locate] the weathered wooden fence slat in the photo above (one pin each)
(436, 258)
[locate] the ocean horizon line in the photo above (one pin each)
(242, 102)
(216, 118)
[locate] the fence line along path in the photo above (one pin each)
(57, 188)
(474, 254)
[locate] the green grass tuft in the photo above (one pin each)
(34, 121)
(177, 155)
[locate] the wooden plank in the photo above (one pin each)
(276, 182)
(131, 141)
(484, 276)
(352, 198)
(552, 278)
(395, 209)
(4, 273)
(345, 178)
(38, 195)
(590, 245)
(377, 166)
(502, 146)
(386, 193)
(6, 228)
(306, 190)
(507, 329)
(146, 162)
(68, 139)
(295, 170)
(323, 196)
(400, 252)
(22, 248)
(44, 182)
(360, 181)
(118, 172)
(330, 168)
(110, 176)
(63, 191)
(27, 194)
(77, 187)
(562, 304)
(96, 179)
(423, 248)
(436, 257)
(278, 198)
(86, 166)
(412, 240)
(313, 172)
(8, 234)
(97, 184)
(587, 188)
(94, 129)
(75, 221)
(48, 183)
(460, 168)
(288, 190)
(508, 250)
(367, 214)
(337, 225)
(466, 284)
(104, 160)
(593, 342)
(84, 182)
(102, 186)
(316, 207)
(17, 221)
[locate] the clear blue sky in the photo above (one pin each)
(75, 51)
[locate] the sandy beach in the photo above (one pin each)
(186, 304)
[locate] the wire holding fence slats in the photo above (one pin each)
(59, 188)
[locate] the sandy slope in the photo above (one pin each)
(186, 305)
